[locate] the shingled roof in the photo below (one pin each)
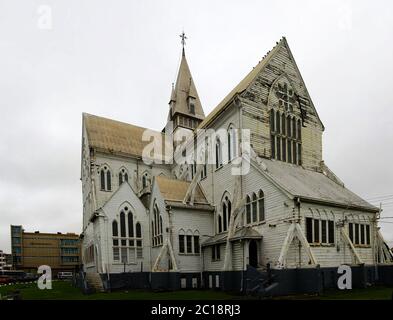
(175, 190)
(116, 137)
(313, 186)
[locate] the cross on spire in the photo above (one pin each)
(183, 40)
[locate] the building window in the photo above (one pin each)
(181, 241)
(145, 180)
(196, 244)
(216, 254)
(189, 244)
(105, 179)
(191, 105)
(248, 209)
(123, 176)
(285, 136)
(232, 143)
(127, 247)
(226, 213)
(218, 154)
(157, 227)
(359, 234)
(255, 208)
(319, 231)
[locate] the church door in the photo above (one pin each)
(253, 253)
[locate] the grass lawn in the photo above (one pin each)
(63, 290)
(372, 293)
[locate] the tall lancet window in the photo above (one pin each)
(127, 244)
(105, 178)
(123, 176)
(218, 153)
(232, 143)
(285, 127)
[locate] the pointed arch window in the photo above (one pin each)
(130, 225)
(123, 176)
(105, 178)
(255, 207)
(126, 247)
(285, 140)
(218, 154)
(248, 209)
(232, 143)
(226, 213)
(157, 226)
(261, 205)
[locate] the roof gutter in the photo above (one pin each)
(337, 204)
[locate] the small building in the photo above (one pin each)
(60, 251)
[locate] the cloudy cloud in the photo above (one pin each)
(119, 59)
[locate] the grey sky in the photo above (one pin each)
(118, 59)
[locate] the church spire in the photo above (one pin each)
(185, 105)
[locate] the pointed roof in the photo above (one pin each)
(185, 88)
(175, 190)
(247, 82)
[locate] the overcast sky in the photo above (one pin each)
(118, 59)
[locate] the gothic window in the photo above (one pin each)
(226, 213)
(105, 179)
(189, 241)
(219, 222)
(218, 154)
(232, 143)
(196, 242)
(123, 176)
(261, 206)
(255, 207)
(206, 148)
(248, 210)
(254, 204)
(130, 225)
(157, 226)
(285, 128)
(145, 180)
(126, 247)
(181, 241)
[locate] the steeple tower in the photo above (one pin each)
(185, 109)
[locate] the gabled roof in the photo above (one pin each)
(242, 85)
(175, 190)
(313, 186)
(184, 88)
(247, 82)
(116, 137)
(245, 232)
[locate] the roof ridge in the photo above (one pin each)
(242, 85)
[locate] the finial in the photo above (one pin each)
(183, 40)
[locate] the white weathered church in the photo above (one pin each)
(197, 220)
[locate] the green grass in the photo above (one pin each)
(63, 290)
(372, 293)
